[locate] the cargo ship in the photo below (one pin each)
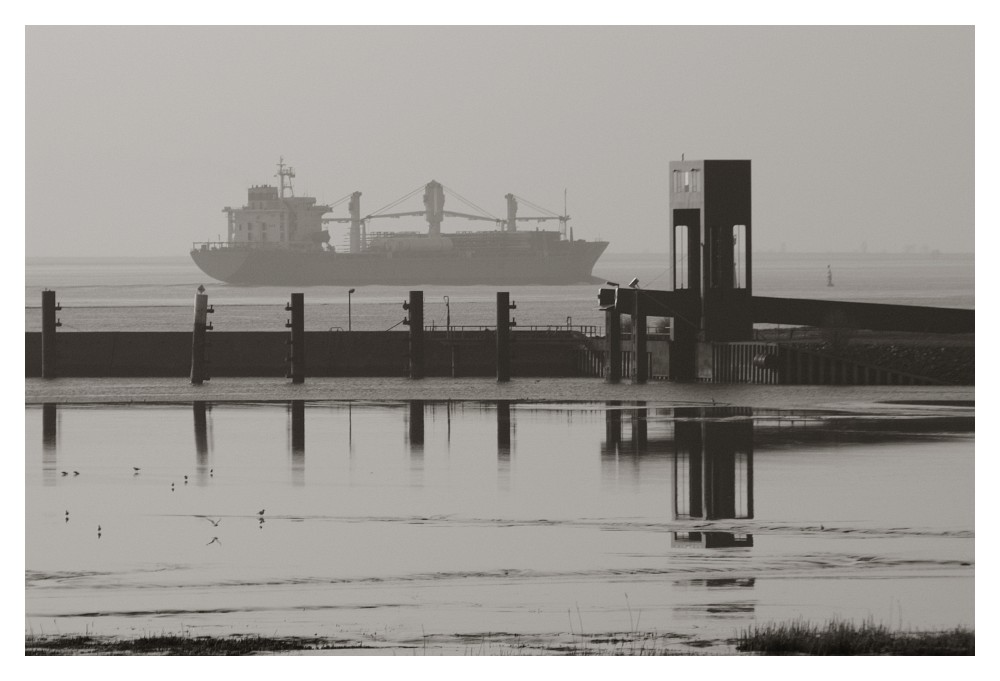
(279, 239)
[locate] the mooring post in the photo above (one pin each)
(613, 334)
(297, 343)
(504, 306)
(198, 341)
(415, 321)
(49, 325)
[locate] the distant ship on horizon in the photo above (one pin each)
(278, 239)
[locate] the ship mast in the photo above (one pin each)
(285, 175)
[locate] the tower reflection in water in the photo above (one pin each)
(713, 472)
(712, 453)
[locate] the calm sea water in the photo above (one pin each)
(448, 525)
(158, 292)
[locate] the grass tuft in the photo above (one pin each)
(846, 638)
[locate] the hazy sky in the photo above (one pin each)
(137, 137)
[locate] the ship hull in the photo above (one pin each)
(571, 263)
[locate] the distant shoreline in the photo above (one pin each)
(608, 256)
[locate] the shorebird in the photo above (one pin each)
(260, 512)
(215, 540)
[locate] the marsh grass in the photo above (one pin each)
(174, 645)
(847, 638)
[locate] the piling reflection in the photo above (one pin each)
(201, 441)
(415, 431)
(503, 430)
(49, 443)
(297, 440)
(503, 445)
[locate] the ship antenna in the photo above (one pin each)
(283, 173)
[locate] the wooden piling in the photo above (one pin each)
(415, 307)
(297, 343)
(613, 333)
(199, 373)
(49, 325)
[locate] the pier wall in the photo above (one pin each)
(327, 353)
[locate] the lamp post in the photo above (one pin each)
(447, 307)
(349, 308)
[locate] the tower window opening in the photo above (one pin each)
(680, 257)
(739, 253)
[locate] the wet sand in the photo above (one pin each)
(84, 390)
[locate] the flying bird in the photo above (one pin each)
(215, 540)
(76, 473)
(215, 523)
(136, 469)
(64, 473)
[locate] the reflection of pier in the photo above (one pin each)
(712, 452)
(713, 472)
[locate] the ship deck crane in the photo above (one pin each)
(434, 213)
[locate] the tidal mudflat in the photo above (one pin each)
(493, 526)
